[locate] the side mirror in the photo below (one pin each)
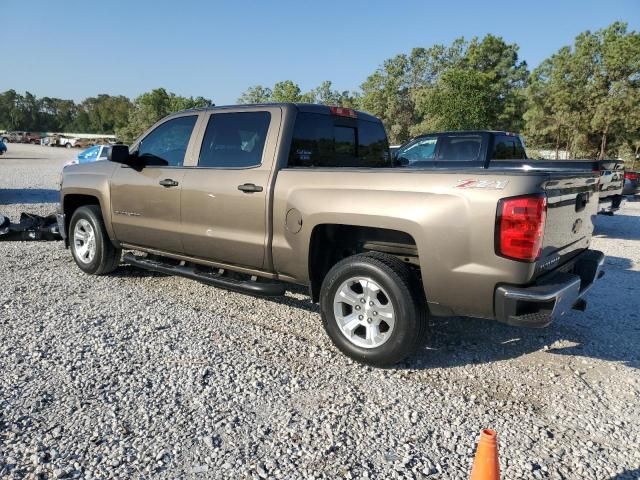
(120, 154)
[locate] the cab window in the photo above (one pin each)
(234, 140)
(321, 140)
(166, 146)
(508, 147)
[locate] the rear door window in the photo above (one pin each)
(321, 140)
(234, 140)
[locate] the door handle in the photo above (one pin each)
(168, 183)
(249, 188)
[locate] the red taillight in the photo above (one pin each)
(631, 175)
(343, 112)
(520, 226)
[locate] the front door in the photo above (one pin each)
(224, 198)
(145, 201)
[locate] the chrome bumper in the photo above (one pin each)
(552, 296)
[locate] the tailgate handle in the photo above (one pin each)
(581, 201)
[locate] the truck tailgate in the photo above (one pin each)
(572, 203)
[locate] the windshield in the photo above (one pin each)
(89, 155)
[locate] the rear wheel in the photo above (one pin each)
(373, 309)
(90, 245)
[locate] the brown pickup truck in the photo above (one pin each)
(252, 198)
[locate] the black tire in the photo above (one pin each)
(405, 294)
(106, 257)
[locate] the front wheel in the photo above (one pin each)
(90, 245)
(373, 309)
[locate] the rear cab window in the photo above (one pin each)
(508, 147)
(324, 140)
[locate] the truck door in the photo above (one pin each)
(224, 198)
(145, 201)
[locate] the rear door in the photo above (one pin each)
(224, 196)
(145, 202)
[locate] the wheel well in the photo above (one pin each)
(74, 201)
(330, 243)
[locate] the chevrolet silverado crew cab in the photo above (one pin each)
(254, 197)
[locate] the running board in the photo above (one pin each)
(252, 287)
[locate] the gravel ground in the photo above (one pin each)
(139, 375)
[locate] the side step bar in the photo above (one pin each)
(267, 288)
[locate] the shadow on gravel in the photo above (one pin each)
(28, 195)
(627, 475)
(623, 227)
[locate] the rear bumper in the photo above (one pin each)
(552, 295)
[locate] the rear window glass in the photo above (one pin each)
(329, 141)
(508, 147)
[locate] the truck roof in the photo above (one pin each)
(301, 107)
(466, 132)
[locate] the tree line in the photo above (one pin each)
(101, 114)
(584, 99)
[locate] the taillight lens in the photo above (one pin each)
(520, 227)
(631, 175)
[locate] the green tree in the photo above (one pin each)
(150, 107)
(11, 114)
(286, 91)
(387, 94)
(551, 115)
(256, 94)
(475, 84)
(106, 113)
(289, 91)
(586, 97)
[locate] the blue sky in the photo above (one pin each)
(79, 48)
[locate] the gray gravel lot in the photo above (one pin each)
(140, 375)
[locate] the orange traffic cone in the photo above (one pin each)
(486, 465)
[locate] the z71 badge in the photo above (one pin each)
(488, 184)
